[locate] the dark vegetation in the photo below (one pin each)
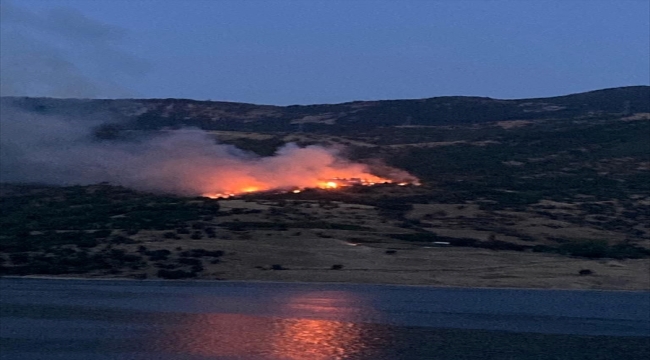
(575, 149)
(352, 116)
(80, 215)
(73, 230)
(591, 249)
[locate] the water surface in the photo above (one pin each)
(79, 319)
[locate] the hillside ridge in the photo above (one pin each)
(444, 110)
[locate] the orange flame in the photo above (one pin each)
(292, 168)
(332, 184)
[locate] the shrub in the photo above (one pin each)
(501, 245)
(19, 258)
(102, 233)
(170, 235)
(167, 266)
(594, 249)
(337, 267)
(87, 243)
(189, 261)
(201, 253)
(119, 239)
(198, 226)
(175, 274)
(155, 255)
(131, 258)
(588, 248)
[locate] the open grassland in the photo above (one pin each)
(354, 235)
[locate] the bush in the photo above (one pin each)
(189, 261)
(591, 249)
(201, 253)
(595, 249)
(167, 266)
(19, 258)
(337, 267)
(175, 274)
(156, 255)
(102, 233)
(501, 245)
(170, 235)
(119, 239)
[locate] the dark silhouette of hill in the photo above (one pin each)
(567, 176)
(363, 115)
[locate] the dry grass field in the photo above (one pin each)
(289, 239)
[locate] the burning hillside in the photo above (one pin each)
(64, 151)
(294, 169)
(328, 184)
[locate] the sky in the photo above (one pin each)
(285, 52)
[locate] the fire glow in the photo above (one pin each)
(186, 162)
(331, 184)
(295, 169)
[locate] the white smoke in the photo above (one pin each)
(63, 151)
(47, 54)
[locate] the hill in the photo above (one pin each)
(550, 192)
(358, 115)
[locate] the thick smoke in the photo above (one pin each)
(54, 54)
(63, 151)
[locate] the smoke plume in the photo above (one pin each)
(62, 53)
(56, 54)
(63, 151)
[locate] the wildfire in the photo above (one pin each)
(329, 184)
(291, 169)
(332, 184)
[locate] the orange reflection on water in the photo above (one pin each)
(234, 335)
(304, 339)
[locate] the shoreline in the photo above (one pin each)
(327, 283)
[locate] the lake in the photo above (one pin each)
(119, 319)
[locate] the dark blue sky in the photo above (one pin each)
(308, 51)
